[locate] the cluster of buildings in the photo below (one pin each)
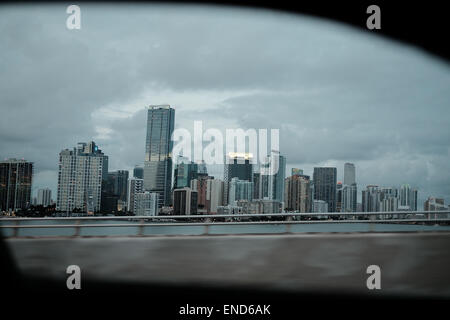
(85, 185)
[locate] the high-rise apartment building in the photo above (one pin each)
(371, 199)
(259, 206)
(15, 184)
(199, 184)
(349, 198)
(324, 179)
(388, 204)
(388, 199)
(158, 152)
(135, 186)
(44, 197)
(146, 204)
(80, 177)
(408, 197)
(297, 193)
(320, 206)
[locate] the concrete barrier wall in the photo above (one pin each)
(411, 263)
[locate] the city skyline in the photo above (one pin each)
(319, 192)
(331, 90)
(339, 173)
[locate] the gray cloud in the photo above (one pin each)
(336, 94)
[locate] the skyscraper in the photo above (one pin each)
(240, 190)
(200, 185)
(158, 152)
(118, 181)
(339, 191)
(80, 177)
(135, 186)
(324, 179)
(408, 197)
(44, 197)
(15, 184)
(297, 197)
(146, 204)
(349, 174)
(388, 199)
(238, 165)
(138, 172)
(320, 206)
(405, 193)
(371, 199)
(256, 185)
(184, 201)
(349, 197)
(185, 171)
(214, 194)
(273, 173)
(414, 200)
(109, 198)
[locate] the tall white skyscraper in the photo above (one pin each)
(81, 173)
(349, 174)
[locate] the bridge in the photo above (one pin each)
(412, 251)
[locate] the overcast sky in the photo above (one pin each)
(336, 94)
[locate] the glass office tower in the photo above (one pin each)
(158, 152)
(185, 171)
(325, 186)
(138, 172)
